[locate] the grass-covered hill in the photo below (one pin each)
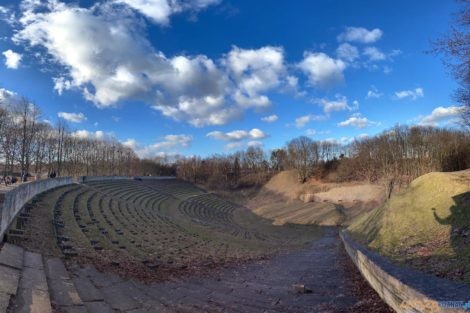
(427, 226)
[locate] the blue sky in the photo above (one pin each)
(214, 76)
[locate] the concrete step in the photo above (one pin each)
(64, 295)
(33, 291)
(12, 256)
(11, 265)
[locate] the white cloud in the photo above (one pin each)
(105, 49)
(7, 15)
(255, 72)
(238, 135)
(374, 54)
(72, 117)
(8, 97)
(340, 103)
(412, 94)
(322, 70)
(254, 143)
(99, 134)
(304, 120)
(310, 132)
(270, 118)
(170, 145)
(347, 52)
(357, 120)
(440, 114)
(234, 145)
(61, 84)
(360, 34)
(159, 11)
(239, 138)
(373, 93)
(12, 59)
(103, 52)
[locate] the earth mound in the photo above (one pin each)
(426, 226)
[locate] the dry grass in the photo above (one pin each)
(427, 225)
(297, 212)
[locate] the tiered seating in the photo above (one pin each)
(166, 220)
(122, 217)
(177, 188)
(58, 224)
(213, 212)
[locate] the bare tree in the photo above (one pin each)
(455, 47)
(303, 155)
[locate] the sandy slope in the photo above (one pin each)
(284, 200)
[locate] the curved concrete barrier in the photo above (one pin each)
(15, 199)
(405, 289)
(85, 179)
(155, 177)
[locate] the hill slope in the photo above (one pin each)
(426, 226)
(284, 200)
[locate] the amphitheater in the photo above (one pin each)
(164, 245)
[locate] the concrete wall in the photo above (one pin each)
(85, 179)
(155, 177)
(404, 289)
(16, 198)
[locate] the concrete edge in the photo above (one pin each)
(404, 289)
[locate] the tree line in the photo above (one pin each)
(28, 145)
(394, 157)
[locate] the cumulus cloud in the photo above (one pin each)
(340, 103)
(374, 54)
(159, 11)
(270, 118)
(72, 117)
(12, 59)
(169, 145)
(347, 52)
(8, 97)
(238, 135)
(440, 114)
(411, 94)
(322, 70)
(255, 71)
(99, 134)
(103, 52)
(7, 15)
(304, 120)
(360, 34)
(358, 121)
(240, 138)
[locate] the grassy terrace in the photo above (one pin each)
(427, 226)
(161, 224)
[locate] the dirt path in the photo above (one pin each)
(258, 287)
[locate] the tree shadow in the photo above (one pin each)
(458, 266)
(459, 218)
